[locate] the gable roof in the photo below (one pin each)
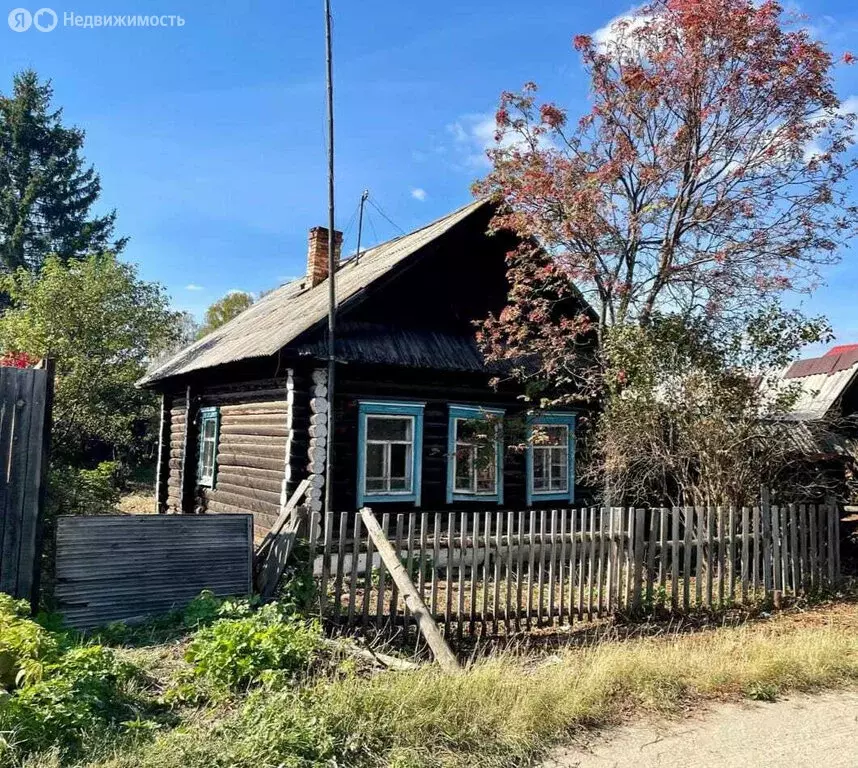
(821, 381)
(290, 310)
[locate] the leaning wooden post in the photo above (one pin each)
(443, 655)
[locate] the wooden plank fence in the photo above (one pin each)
(25, 415)
(487, 572)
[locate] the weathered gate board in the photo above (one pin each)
(25, 405)
(127, 567)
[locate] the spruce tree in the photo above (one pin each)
(47, 190)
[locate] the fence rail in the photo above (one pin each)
(482, 572)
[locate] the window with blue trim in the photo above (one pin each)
(551, 457)
(390, 447)
(208, 436)
(474, 454)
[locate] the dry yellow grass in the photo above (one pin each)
(508, 710)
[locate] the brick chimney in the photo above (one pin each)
(317, 253)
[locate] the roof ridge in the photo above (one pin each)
(280, 316)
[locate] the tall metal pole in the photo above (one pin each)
(332, 262)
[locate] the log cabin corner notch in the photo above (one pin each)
(244, 416)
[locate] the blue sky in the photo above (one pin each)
(210, 138)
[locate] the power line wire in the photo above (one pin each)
(385, 216)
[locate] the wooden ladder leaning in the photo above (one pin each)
(274, 551)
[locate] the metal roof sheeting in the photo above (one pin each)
(820, 381)
(285, 313)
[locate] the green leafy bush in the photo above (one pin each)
(84, 691)
(24, 645)
(74, 491)
(207, 608)
(234, 653)
(54, 694)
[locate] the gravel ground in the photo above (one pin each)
(820, 731)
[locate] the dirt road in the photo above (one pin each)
(819, 731)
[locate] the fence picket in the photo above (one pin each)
(688, 514)
(602, 566)
(628, 560)
(766, 519)
(755, 544)
(382, 574)
(591, 563)
(367, 583)
(638, 549)
(475, 570)
(794, 568)
(561, 570)
(699, 524)
(611, 576)
(662, 550)
(573, 546)
(487, 559)
(354, 570)
(508, 594)
(829, 550)
(421, 574)
(775, 528)
(394, 591)
(531, 557)
(552, 574)
(674, 552)
(436, 564)
(341, 557)
(519, 576)
(745, 553)
(721, 557)
(460, 606)
(731, 554)
(803, 564)
(814, 548)
(409, 563)
(650, 554)
(498, 561)
(448, 587)
(710, 553)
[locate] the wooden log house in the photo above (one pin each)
(244, 409)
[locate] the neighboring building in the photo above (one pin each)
(244, 416)
(827, 385)
(823, 421)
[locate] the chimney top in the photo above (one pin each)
(317, 254)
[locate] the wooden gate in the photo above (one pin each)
(25, 413)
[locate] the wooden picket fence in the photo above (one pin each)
(504, 571)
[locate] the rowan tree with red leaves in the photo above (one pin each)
(709, 176)
(707, 181)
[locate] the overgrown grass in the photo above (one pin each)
(504, 711)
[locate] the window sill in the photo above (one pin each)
(388, 498)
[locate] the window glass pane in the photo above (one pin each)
(545, 434)
(374, 461)
(540, 469)
(465, 455)
(486, 478)
(386, 428)
(559, 469)
(209, 429)
(400, 467)
(375, 484)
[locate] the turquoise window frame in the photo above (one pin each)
(205, 415)
(550, 418)
(470, 412)
(414, 410)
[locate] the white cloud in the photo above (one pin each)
(604, 35)
(473, 135)
(418, 194)
(194, 287)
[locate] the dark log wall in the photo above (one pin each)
(177, 443)
(437, 390)
(251, 457)
(252, 450)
